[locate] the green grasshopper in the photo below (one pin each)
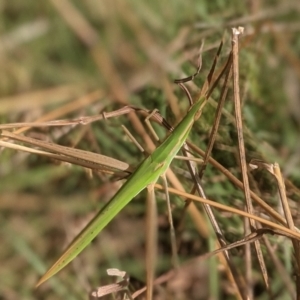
(146, 175)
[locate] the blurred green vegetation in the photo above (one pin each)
(55, 54)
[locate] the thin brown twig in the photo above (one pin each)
(217, 118)
(275, 169)
(151, 241)
(236, 32)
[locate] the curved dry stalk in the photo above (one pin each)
(287, 232)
